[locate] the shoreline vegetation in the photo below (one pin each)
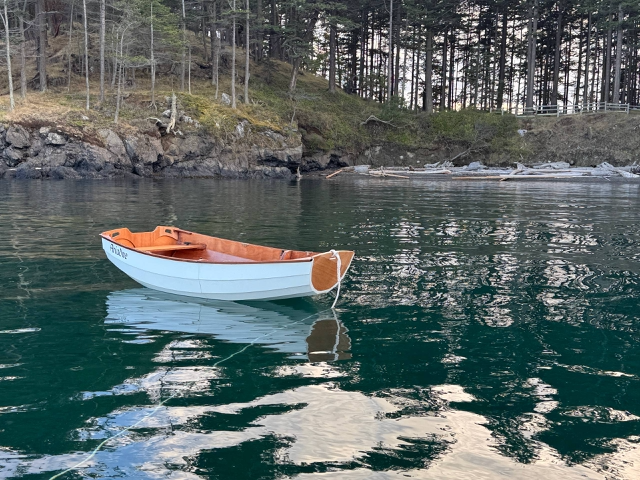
(181, 115)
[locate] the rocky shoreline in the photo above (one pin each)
(59, 152)
(46, 152)
(36, 148)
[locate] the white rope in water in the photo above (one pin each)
(155, 410)
(339, 267)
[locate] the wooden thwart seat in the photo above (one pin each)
(167, 248)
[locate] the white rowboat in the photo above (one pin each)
(177, 261)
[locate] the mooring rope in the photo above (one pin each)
(155, 410)
(339, 267)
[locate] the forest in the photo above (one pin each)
(419, 55)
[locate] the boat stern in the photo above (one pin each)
(324, 271)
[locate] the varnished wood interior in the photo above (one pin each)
(172, 248)
(190, 246)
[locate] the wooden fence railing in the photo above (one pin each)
(574, 109)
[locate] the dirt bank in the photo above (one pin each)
(584, 140)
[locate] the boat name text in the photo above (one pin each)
(118, 251)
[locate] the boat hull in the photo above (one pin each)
(219, 281)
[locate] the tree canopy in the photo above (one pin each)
(416, 54)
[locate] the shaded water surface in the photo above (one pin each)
(485, 330)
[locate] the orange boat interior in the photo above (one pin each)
(184, 245)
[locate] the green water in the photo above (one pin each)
(485, 330)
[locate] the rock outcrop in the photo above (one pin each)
(55, 153)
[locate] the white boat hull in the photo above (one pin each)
(219, 281)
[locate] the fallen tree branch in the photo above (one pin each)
(461, 154)
(373, 118)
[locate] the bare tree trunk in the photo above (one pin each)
(371, 65)
(592, 95)
(120, 70)
(585, 93)
(246, 62)
(363, 55)
(153, 63)
(576, 98)
(512, 92)
(233, 59)
(217, 64)
(443, 86)
(274, 37)
(531, 57)
(184, 45)
(259, 30)
(477, 72)
(452, 64)
(556, 58)
(205, 16)
(616, 82)
(503, 60)
(214, 40)
(567, 67)
(396, 74)
(102, 35)
(415, 100)
(606, 88)
(23, 53)
(69, 48)
(174, 113)
(390, 62)
(413, 72)
(405, 69)
(428, 81)
(119, 93)
(42, 44)
(189, 72)
(5, 21)
(115, 57)
(86, 51)
(332, 57)
(294, 76)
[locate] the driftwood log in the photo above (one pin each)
(335, 173)
(385, 174)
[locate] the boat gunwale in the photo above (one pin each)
(250, 262)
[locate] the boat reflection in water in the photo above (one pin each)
(287, 328)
